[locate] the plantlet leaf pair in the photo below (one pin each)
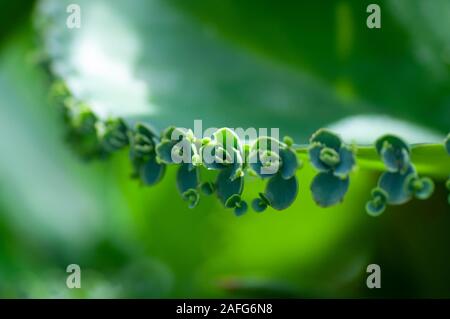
(401, 181)
(143, 155)
(278, 162)
(334, 161)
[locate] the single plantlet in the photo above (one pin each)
(236, 202)
(281, 160)
(278, 162)
(264, 163)
(260, 204)
(223, 151)
(143, 141)
(377, 204)
(394, 184)
(176, 147)
(334, 161)
(188, 180)
(329, 156)
(143, 155)
(394, 152)
(401, 182)
(227, 187)
(192, 197)
(419, 187)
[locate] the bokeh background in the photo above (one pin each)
(138, 242)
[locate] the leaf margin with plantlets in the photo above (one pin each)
(334, 160)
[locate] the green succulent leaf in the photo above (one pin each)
(187, 178)
(143, 138)
(142, 142)
(395, 159)
(164, 151)
(151, 172)
(395, 185)
(327, 153)
(173, 133)
(289, 163)
(170, 152)
(394, 152)
(145, 130)
(226, 187)
(314, 157)
(327, 139)
(281, 192)
(328, 189)
(346, 164)
(394, 141)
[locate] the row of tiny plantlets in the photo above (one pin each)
(230, 162)
(334, 161)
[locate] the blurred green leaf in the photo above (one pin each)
(240, 64)
(55, 209)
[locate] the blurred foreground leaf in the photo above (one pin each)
(235, 64)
